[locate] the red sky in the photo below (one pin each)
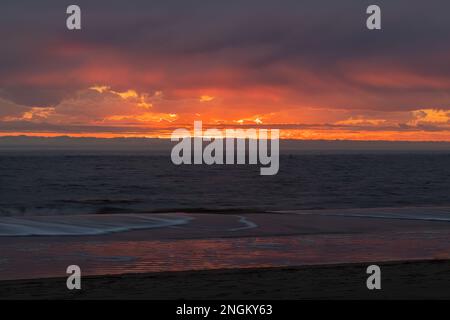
(311, 70)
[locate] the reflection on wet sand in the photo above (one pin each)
(227, 241)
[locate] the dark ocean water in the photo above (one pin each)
(33, 184)
(66, 198)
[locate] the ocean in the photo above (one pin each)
(67, 184)
(132, 213)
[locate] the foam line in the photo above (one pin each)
(84, 224)
(248, 224)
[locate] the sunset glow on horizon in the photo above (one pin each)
(153, 70)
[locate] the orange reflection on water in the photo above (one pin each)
(110, 256)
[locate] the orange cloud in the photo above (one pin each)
(430, 116)
(206, 98)
(102, 110)
(144, 117)
(362, 121)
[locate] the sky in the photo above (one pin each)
(145, 68)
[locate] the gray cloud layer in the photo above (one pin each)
(313, 52)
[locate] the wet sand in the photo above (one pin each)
(225, 241)
(400, 280)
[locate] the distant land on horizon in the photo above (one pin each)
(66, 143)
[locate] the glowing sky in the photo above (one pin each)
(144, 68)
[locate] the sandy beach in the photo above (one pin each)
(400, 280)
(304, 254)
(175, 242)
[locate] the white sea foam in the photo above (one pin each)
(247, 224)
(85, 224)
(407, 213)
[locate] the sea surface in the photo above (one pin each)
(128, 213)
(68, 184)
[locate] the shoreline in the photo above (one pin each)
(422, 279)
(211, 241)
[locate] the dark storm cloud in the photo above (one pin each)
(261, 42)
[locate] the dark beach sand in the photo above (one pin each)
(400, 280)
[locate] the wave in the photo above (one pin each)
(402, 213)
(103, 207)
(97, 224)
(247, 224)
(85, 224)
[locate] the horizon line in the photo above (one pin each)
(169, 138)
